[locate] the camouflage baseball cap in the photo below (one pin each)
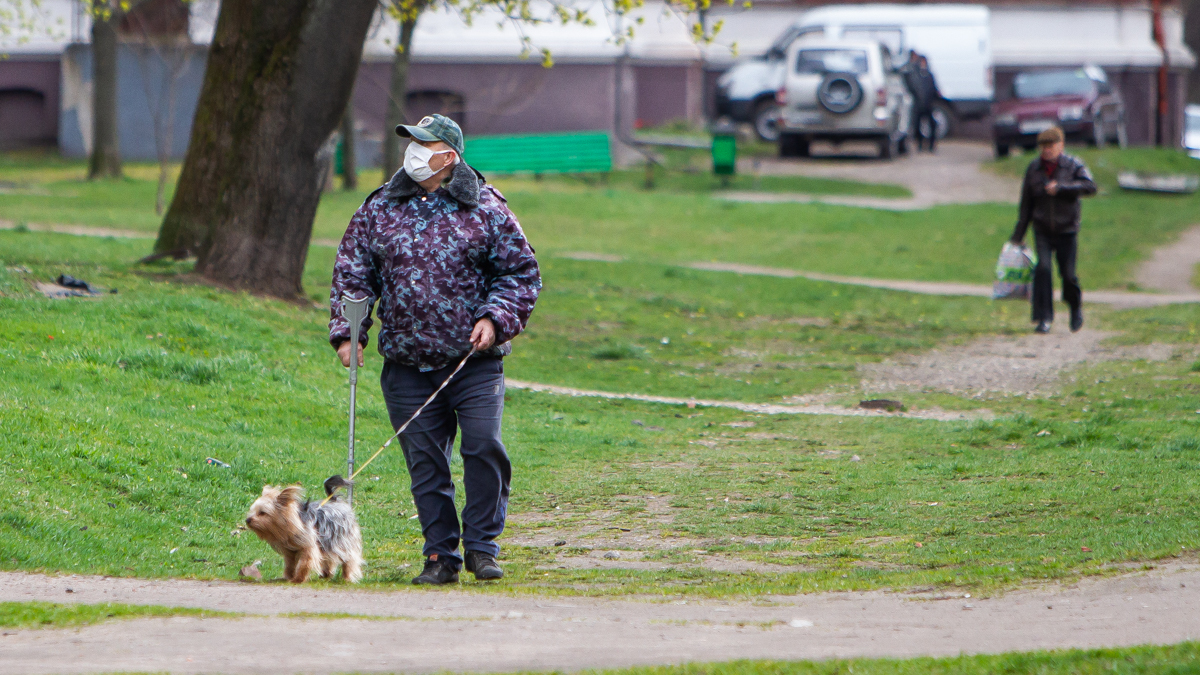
(434, 128)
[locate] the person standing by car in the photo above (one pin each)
(1050, 194)
(924, 89)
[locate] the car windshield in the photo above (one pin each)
(822, 61)
(1053, 83)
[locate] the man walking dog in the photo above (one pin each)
(449, 265)
(1050, 194)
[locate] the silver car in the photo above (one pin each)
(842, 91)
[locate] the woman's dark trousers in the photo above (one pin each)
(924, 119)
(1063, 247)
(474, 402)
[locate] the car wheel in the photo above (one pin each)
(766, 120)
(792, 145)
(1002, 150)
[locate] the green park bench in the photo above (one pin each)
(569, 152)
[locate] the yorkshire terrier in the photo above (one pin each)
(311, 536)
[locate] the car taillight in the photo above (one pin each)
(781, 96)
(881, 97)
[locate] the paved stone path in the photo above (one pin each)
(448, 630)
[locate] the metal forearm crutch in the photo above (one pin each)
(354, 311)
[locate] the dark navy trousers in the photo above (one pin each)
(1063, 248)
(473, 402)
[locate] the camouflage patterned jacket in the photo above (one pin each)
(436, 263)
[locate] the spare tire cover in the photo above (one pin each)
(840, 92)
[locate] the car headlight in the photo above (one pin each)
(1008, 120)
(1073, 112)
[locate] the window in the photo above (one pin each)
(821, 61)
(779, 48)
(1053, 83)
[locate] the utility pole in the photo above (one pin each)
(1160, 38)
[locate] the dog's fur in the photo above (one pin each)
(311, 537)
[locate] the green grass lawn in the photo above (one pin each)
(26, 615)
(110, 406)
(679, 221)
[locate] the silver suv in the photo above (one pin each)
(841, 91)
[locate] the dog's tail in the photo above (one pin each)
(334, 482)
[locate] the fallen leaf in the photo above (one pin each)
(692, 404)
(920, 545)
(1085, 549)
(1044, 432)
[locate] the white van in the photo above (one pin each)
(955, 38)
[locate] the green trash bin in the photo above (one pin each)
(724, 154)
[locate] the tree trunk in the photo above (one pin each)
(278, 78)
(105, 161)
(349, 157)
(397, 97)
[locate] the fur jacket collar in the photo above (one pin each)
(463, 186)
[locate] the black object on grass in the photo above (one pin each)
(882, 404)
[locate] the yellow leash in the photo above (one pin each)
(410, 420)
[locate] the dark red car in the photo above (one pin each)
(1080, 100)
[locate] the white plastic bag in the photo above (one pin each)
(1014, 273)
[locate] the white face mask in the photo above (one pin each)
(416, 161)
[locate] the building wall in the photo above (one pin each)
(143, 96)
(498, 98)
(668, 93)
(28, 101)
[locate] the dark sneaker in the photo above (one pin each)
(1076, 320)
(1042, 327)
(483, 565)
(436, 573)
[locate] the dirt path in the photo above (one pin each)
(1120, 299)
(436, 630)
(761, 408)
(1028, 365)
(953, 176)
(80, 230)
(1170, 268)
(89, 231)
